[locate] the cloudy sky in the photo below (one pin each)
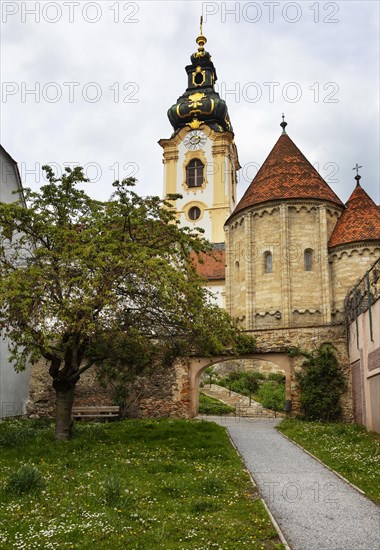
(90, 83)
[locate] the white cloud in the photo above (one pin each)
(152, 53)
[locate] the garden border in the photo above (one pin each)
(325, 465)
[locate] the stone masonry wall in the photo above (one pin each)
(348, 264)
(165, 391)
(289, 295)
(42, 395)
(308, 338)
(161, 392)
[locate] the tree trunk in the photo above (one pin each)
(65, 399)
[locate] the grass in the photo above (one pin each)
(209, 405)
(348, 449)
(270, 389)
(136, 484)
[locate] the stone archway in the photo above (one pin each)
(199, 364)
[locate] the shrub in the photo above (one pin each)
(27, 479)
(277, 377)
(245, 344)
(112, 491)
(208, 405)
(245, 383)
(321, 383)
(256, 374)
(234, 375)
(272, 395)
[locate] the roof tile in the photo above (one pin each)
(211, 266)
(286, 174)
(359, 222)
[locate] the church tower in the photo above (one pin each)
(277, 273)
(200, 158)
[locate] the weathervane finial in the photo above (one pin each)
(201, 39)
(357, 177)
(283, 124)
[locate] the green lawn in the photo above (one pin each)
(170, 484)
(346, 448)
(209, 405)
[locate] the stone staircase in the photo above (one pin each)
(239, 402)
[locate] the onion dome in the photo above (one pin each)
(200, 103)
(286, 174)
(360, 221)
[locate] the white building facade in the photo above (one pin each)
(14, 386)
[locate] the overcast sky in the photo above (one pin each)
(106, 72)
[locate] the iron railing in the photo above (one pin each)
(362, 297)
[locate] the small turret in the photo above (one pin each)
(360, 220)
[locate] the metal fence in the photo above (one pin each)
(362, 297)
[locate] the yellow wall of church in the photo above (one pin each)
(218, 193)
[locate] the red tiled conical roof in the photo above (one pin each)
(286, 174)
(359, 222)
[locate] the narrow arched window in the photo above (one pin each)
(268, 264)
(308, 259)
(194, 173)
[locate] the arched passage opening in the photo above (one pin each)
(199, 364)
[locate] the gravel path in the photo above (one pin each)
(314, 508)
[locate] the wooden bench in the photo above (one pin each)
(109, 412)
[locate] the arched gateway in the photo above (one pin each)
(198, 364)
(162, 392)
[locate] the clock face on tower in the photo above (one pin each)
(195, 140)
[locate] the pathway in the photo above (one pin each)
(314, 508)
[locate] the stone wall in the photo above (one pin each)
(161, 392)
(290, 294)
(167, 391)
(308, 338)
(246, 365)
(348, 264)
(41, 402)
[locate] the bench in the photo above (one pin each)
(109, 412)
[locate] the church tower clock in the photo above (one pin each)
(200, 158)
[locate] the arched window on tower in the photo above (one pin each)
(308, 259)
(237, 271)
(268, 263)
(194, 173)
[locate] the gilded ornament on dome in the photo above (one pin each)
(195, 123)
(197, 96)
(228, 124)
(202, 105)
